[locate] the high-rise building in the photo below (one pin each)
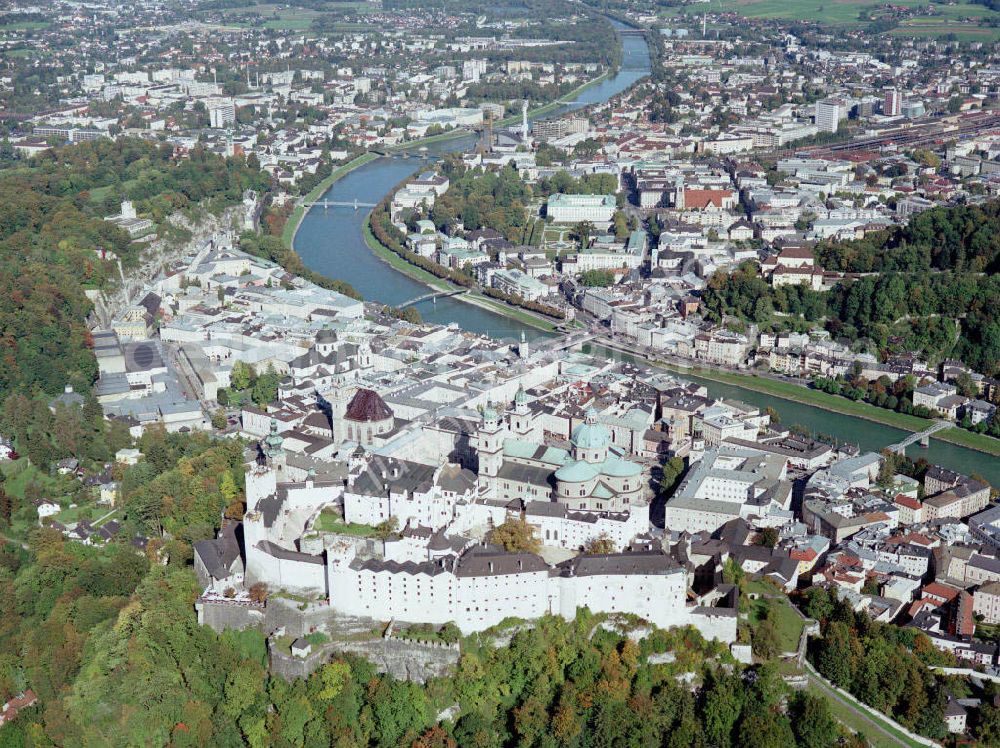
(221, 114)
(829, 112)
(892, 104)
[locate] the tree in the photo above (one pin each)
(583, 231)
(600, 545)
(768, 537)
(723, 702)
(240, 376)
(765, 638)
(835, 658)
(258, 592)
(334, 678)
(987, 731)
(620, 226)
(818, 604)
(516, 535)
(812, 723)
(966, 385)
(219, 420)
(387, 528)
(765, 728)
(597, 278)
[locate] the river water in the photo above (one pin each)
(330, 241)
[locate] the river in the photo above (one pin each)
(330, 241)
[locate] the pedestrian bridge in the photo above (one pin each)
(923, 437)
(434, 295)
(339, 204)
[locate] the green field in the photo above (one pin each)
(932, 19)
(331, 522)
(788, 622)
(24, 25)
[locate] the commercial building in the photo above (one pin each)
(828, 114)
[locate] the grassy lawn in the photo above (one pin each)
(99, 193)
(20, 473)
(960, 19)
(402, 265)
(799, 394)
(331, 522)
(288, 24)
(513, 312)
(788, 622)
(25, 25)
(458, 132)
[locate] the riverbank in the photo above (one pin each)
(439, 284)
(460, 132)
(835, 404)
(857, 409)
(295, 219)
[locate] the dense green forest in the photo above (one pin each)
(965, 238)
(883, 665)
(108, 639)
(936, 290)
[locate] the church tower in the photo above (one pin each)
(521, 420)
(365, 355)
(326, 341)
(489, 448)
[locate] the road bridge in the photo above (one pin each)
(563, 342)
(923, 437)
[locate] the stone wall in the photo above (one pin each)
(222, 615)
(405, 660)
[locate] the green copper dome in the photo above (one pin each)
(521, 398)
(619, 468)
(590, 434)
(273, 441)
(490, 413)
(576, 472)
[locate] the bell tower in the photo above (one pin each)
(489, 447)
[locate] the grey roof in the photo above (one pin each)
(645, 562)
(515, 471)
(486, 561)
(283, 553)
(219, 554)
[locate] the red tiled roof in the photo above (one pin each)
(367, 405)
(907, 501)
(942, 591)
(704, 198)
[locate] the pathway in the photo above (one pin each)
(869, 726)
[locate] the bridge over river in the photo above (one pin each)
(435, 295)
(356, 204)
(923, 437)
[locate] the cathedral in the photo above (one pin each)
(514, 463)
